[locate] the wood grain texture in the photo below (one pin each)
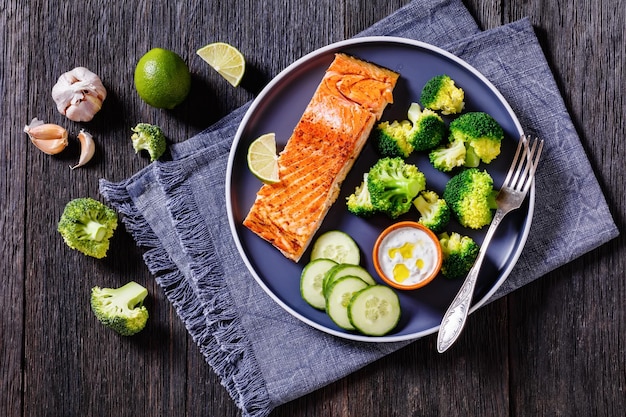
(13, 147)
(554, 347)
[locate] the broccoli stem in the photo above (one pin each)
(492, 200)
(402, 187)
(421, 205)
(96, 231)
(413, 188)
(414, 113)
(471, 159)
(129, 295)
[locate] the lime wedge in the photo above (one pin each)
(225, 59)
(262, 158)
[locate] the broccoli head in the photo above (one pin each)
(428, 130)
(87, 225)
(359, 202)
(481, 134)
(423, 130)
(459, 254)
(434, 211)
(147, 137)
(440, 93)
(122, 308)
(392, 139)
(447, 157)
(471, 197)
(393, 184)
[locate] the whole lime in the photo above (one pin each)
(162, 78)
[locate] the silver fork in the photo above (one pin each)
(510, 197)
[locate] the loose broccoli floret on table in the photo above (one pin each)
(122, 308)
(428, 129)
(471, 197)
(441, 93)
(359, 202)
(393, 184)
(481, 134)
(149, 138)
(459, 254)
(434, 211)
(447, 157)
(87, 225)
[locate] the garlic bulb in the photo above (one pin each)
(79, 94)
(87, 148)
(48, 137)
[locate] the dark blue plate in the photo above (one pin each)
(279, 107)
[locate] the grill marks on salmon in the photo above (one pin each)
(320, 152)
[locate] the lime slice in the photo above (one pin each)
(262, 158)
(225, 59)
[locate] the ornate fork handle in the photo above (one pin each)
(455, 317)
(510, 197)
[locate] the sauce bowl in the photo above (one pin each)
(407, 255)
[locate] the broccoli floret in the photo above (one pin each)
(447, 157)
(147, 137)
(359, 202)
(440, 93)
(87, 225)
(393, 184)
(392, 139)
(459, 254)
(428, 129)
(471, 197)
(474, 137)
(434, 211)
(481, 134)
(423, 130)
(122, 308)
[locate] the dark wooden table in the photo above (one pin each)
(555, 347)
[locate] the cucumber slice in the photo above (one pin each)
(339, 296)
(338, 246)
(343, 270)
(375, 310)
(312, 279)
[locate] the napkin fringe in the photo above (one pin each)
(167, 274)
(220, 338)
(231, 356)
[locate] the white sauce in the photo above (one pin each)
(407, 255)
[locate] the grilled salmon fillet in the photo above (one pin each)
(320, 152)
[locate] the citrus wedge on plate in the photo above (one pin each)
(225, 59)
(262, 158)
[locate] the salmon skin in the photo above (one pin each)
(320, 152)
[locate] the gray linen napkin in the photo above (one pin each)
(263, 355)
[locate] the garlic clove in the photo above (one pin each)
(79, 94)
(84, 112)
(51, 147)
(47, 137)
(87, 148)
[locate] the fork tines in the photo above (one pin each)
(525, 161)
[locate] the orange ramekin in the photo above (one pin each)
(390, 280)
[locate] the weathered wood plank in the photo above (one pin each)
(73, 365)
(14, 146)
